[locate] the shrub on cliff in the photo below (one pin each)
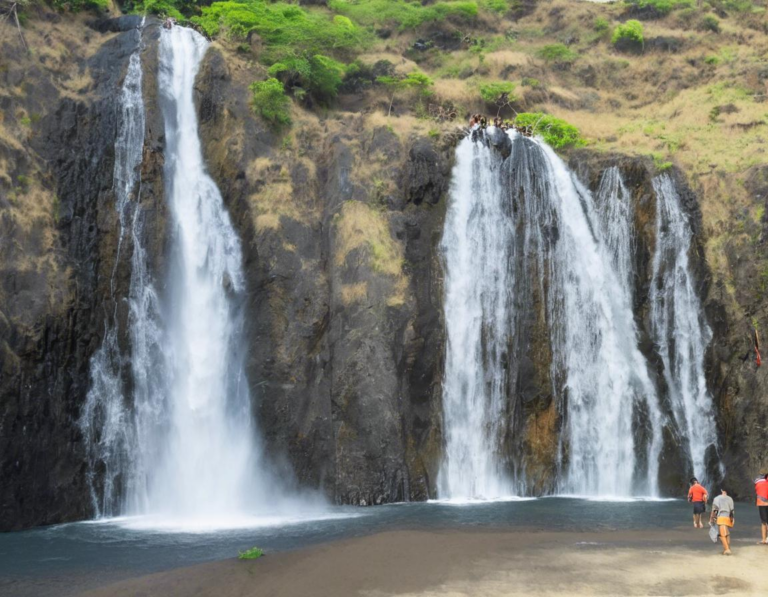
(557, 133)
(558, 54)
(628, 36)
(79, 5)
(414, 81)
(284, 28)
(318, 75)
(497, 91)
(404, 14)
(659, 8)
(271, 102)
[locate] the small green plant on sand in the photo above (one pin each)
(250, 554)
(557, 133)
(270, 101)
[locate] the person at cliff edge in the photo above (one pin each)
(761, 490)
(697, 495)
(723, 516)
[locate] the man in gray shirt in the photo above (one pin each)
(722, 515)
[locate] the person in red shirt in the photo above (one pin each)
(761, 491)
(698, 496)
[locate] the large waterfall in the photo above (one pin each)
(517, 229)
(680, 330)
(169, 427)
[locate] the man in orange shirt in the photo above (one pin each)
(698, 496)
(761, 490)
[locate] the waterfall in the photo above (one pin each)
(169, 425)
(106, 418)
(680, 330)
(515, 229)
(208, 464)
(477, 246)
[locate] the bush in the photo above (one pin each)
(710, 23)
(284, 28)
(601, 25)
(558, 53)
(270, 101)
(404, 14)
(661, 7)
(78, 5)
(499, 6)
(493, 92)
(628, 34)
(557, 133)
(317, 75)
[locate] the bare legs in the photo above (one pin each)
(725, 539)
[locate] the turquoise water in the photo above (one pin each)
(66, 559)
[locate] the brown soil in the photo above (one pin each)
(476, 563)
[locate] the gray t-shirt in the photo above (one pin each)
(723, 504)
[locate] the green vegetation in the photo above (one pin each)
(660, 163)
(250, 554)
(662, 7)
(499, 90)
(404, 14)
(601, 25)
(558, 53)
(166, 8)
(318, 75)
(628, 34)
(270, 101)
(413, 81)
(711, 23)
(530, 82)
(498, 6)
(78, 5)
(557, 133)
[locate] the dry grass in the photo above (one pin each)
(354, 293)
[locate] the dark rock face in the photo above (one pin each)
(340, 233)
(52, 315)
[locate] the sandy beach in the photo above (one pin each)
(479, 564)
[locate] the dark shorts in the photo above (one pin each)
(763, 514)
(699, 507)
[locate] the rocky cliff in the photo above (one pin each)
(340, 218)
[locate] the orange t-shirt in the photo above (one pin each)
(697, 493)
(761, 489)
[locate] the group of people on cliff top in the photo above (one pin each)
(480, 121)
(722, 518)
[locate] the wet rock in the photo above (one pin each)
(424, 179)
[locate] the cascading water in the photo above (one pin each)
(529, 211)
(679, 328)
(208, 462)
(169, 430)
(477, 245)
(106, 419)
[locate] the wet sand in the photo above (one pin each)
(456, 563)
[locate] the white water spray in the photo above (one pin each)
(680, 330)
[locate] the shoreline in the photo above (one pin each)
(488, 563)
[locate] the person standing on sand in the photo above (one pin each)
(723, 516)
(697, 495)
(761, 491)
